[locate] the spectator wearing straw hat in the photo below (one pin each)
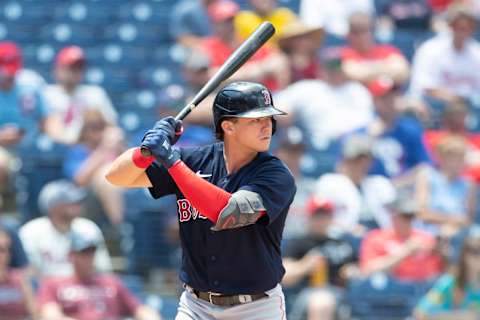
(301, 43)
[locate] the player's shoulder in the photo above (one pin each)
(209, 150)
(268, 163)
(84, 225)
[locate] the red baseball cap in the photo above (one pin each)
(382, 86)
(317, 205)
(222, 10)
(10, 58)
(69, 56)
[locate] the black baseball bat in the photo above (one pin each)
(263, 32)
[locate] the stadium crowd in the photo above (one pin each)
(382, 136)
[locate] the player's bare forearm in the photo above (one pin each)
(124, 173)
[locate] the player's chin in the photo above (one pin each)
(264, 144)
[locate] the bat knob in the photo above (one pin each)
(145, 152)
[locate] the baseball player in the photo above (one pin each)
(232, 197)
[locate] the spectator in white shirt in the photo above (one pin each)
(68, 98)
(446, 67)
(47, 239)
(333, 15)
(359, 200)
(328, 108)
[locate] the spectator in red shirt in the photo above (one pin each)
(369, 62)
(405, 252)
(16, 295)
(268, 65)
(88, 295)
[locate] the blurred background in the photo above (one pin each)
(382, 136)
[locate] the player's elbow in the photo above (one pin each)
(113, 178)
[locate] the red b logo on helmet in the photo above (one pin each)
(266, 97)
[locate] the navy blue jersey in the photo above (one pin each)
(244, 260)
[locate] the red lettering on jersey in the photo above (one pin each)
(184, 210)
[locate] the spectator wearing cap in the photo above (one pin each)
(403, 251)
(190, 22)
(24, 113)
(68, 98)
(446, 199)
(445, 66)
(456, 294)
(360, 199)
(327, 108)
(247, 21)
(300, 43)
(267, 65)
(454, 120)
(398, 146)
(17, 301)
(317, 262)
(47, 239)
(368, 62)
(86, 163)
(88, 295)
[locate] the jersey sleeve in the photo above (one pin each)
(162, 182)
(275, 185)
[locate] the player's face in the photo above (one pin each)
(254, 133)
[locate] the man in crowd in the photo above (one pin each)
(47, 239)
(86, 294)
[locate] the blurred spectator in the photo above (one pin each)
(327, 108)
(17, 300)
(456, 295)
(409, 15)
(267, 65)
(86, 161)
(87, 295)
(68, 98)
(263, 10)
(333, 15)
(290, 149)
(47, 239)
(445, 67)
(398, 143)
(189, 22)
(369, 62)
(454, 122)
(23, 111)
(318, 261)
(407, 253)
(18, 257)
(446, 199)
(300, 43)
(359, 200)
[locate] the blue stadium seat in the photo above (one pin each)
(85, 12)
(18, 32)
(69, 33)
(136, 33)
(111, 78)
(25, 13)
(40, 156)
(382, 297)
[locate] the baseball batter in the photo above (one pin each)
(232, 197)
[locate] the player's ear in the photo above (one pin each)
(227, 126)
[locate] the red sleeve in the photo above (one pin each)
(47, 292)
(128, 302)
(370, 248)
(207, 198)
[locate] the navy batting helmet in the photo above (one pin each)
(243, 100)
